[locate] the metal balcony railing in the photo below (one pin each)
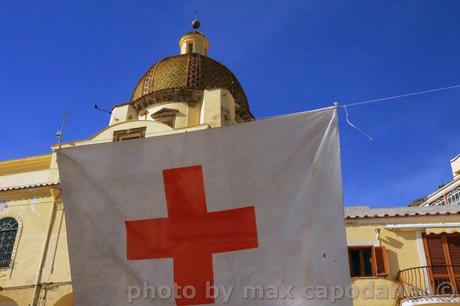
(429, 281)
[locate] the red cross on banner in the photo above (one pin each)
(190, 234)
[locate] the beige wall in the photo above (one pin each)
(217, 108)
(401, 246)
(123, 113)
(375, 291)
(455, 165)
(182, 118)
(40, 254)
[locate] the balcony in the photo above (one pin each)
(430, 285)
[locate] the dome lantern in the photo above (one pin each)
(194, 41)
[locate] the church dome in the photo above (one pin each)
(183, 78)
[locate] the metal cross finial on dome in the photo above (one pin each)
(196, 22)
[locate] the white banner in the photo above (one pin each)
(248, 214)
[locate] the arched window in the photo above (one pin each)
(8, 231)
(189, 48)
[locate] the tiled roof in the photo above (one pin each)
(358, 212)
(29, 186)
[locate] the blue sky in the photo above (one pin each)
(289, 56)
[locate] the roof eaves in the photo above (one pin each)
(29, 186)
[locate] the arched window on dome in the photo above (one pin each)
(8, 232)
(189, 47)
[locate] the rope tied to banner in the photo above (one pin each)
(385, 99)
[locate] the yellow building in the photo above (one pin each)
(412, 252)
(33, 246)
(187, 92)
(404, 256)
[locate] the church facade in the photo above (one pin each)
(186, 92)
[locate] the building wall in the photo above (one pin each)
(402, 253)
(217, 108)
(401, 246)
(404, 249)
(40, 257)
(375, 291)
(455, 165)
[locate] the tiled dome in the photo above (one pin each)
(183, 78)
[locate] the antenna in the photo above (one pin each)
(60, 132)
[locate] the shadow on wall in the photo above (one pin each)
(66, 300)
(4, 301)
(399, 247)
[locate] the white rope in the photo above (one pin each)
(354, 126)
(416, 93)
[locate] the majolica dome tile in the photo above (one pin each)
(183, 78)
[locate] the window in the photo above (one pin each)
(453, 198)
(166, 116)
(368, 261)
(189, 48)
(129, 134)
(8, 231)
(438, 202)
(443, 257)
(167, 120)
(360, 262)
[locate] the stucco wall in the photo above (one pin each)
(36, 258)
(402, 248)
(374, 291)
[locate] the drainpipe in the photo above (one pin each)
(55, 193)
